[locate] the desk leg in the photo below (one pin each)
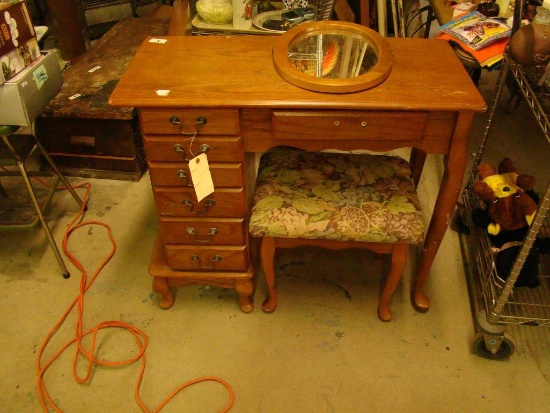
(160, 286)
(245, 290)
(417, 159)
(449, 191)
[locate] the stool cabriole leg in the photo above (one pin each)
(267, 255)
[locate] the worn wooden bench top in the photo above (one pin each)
(96, 73)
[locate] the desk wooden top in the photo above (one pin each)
(216, 71)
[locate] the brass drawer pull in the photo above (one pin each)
(215, 259)
(363, 123)
(178, 147)
(183, 175)
(208, 204)
(211, 233)
(201, 120)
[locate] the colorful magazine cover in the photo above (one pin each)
(476, 30)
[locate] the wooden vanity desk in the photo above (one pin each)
(427, 103)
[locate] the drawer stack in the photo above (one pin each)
(206, 240)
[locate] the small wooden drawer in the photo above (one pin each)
(177, 174)
(224, 202)
(166, 148)
(204, 231)
(212, 257)
(349, 125)
(188, 121)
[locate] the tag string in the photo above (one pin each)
(191, 144)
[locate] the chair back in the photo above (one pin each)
(419, 21)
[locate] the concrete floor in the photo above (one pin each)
(323, 350)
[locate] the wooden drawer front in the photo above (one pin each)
(176, 149)
(177, 174)
(350, 125)
(218, 121)
(204, 231)
(213, 258)
(224, 202)
(102, 137)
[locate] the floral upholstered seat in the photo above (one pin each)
(335, 196)
(335, 201)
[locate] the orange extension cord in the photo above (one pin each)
(139, 336)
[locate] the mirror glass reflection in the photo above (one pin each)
(332, 55)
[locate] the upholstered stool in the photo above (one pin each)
(335, 201)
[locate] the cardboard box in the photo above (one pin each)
(18, 43)
(26, 95)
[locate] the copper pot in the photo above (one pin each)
(530, 45)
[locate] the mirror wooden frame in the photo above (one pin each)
(374, 77)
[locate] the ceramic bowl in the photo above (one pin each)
(215, 11)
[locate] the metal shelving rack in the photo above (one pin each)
(499, 302)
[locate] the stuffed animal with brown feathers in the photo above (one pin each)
(510, 206)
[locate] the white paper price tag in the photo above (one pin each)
(200, 174)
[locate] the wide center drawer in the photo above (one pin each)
(203, 231)
(166, 148)
(188, 120)
(213, 258)
(223, 202)
(349, 125)
(177, 174)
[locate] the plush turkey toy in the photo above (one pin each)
(509, 207)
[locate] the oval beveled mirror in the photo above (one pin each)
(333, 57)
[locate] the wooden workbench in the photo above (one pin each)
(81, 131)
